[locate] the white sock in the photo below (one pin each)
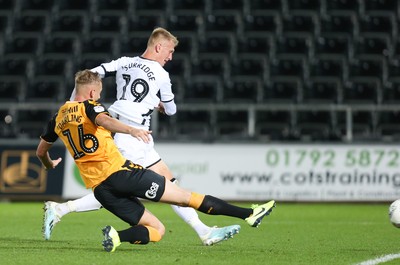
(190, 216)
(84, 204)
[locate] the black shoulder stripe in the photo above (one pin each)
(107, 74)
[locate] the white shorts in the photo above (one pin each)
(137, 151)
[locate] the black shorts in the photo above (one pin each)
(120, 191)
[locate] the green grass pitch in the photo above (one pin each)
(292, 234)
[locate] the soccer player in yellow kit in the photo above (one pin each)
(142, 86)
(85, 127)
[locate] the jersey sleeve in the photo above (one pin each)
(49, 134)
(94, 108)
(167, 97)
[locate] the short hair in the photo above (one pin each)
(161, 33)
(86, 77)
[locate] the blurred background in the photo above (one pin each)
(245, 71)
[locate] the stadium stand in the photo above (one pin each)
(264, 70)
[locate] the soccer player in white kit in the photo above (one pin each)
(143, 85)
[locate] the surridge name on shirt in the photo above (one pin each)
(140, 66)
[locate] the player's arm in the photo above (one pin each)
(42, 152)
(46, 142)
(116, 126)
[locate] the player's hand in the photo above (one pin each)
(142, 135)
(55, 162)
(161, 108)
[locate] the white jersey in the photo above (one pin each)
(141, 85)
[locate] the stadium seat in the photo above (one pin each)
(10, 65)
(217, 42)
(224, 21)
(391, 91)
(369, 66)
(107, 24)
(186, 20)
(388, 126)
(120, 6)
(232, 124)
(7, 5)
(313, 125)
(387, 5)
(186, 5)
(60, 45)
(29, 5)
(251, 65)
(188, 43)
(342, 5)
(323, 90)
(227, 5)
(23, 44)
(372, 44)
(293, 43)
(70, 22)
(49, 65)
(242, 89)
(12, 88)
(288, 65)
(211, 64)
(379, 22)
(300, 22)
(363, 124)
(333, 65)
(5, 21)
(263, 22)
(263, 44)
(304, 5)
(31, 21)
(203, 89)
(133, 44)
(283, 89)
(193, 125)
(145, 21)
(333, 43)
(31, 123)
(100, 43)
(273, 125)
(46, 89)
(150, 5)
(338, 22)
(74, 5)
(362, 90)
(265, 5)
(180, 65)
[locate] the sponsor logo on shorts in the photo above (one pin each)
(152, 192)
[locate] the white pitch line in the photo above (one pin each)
(381, 259)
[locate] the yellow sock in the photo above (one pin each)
(196, 200)
(154, 235)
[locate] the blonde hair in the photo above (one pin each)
(86, 77)
(161, 33)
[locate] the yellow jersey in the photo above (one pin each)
(91, 146)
